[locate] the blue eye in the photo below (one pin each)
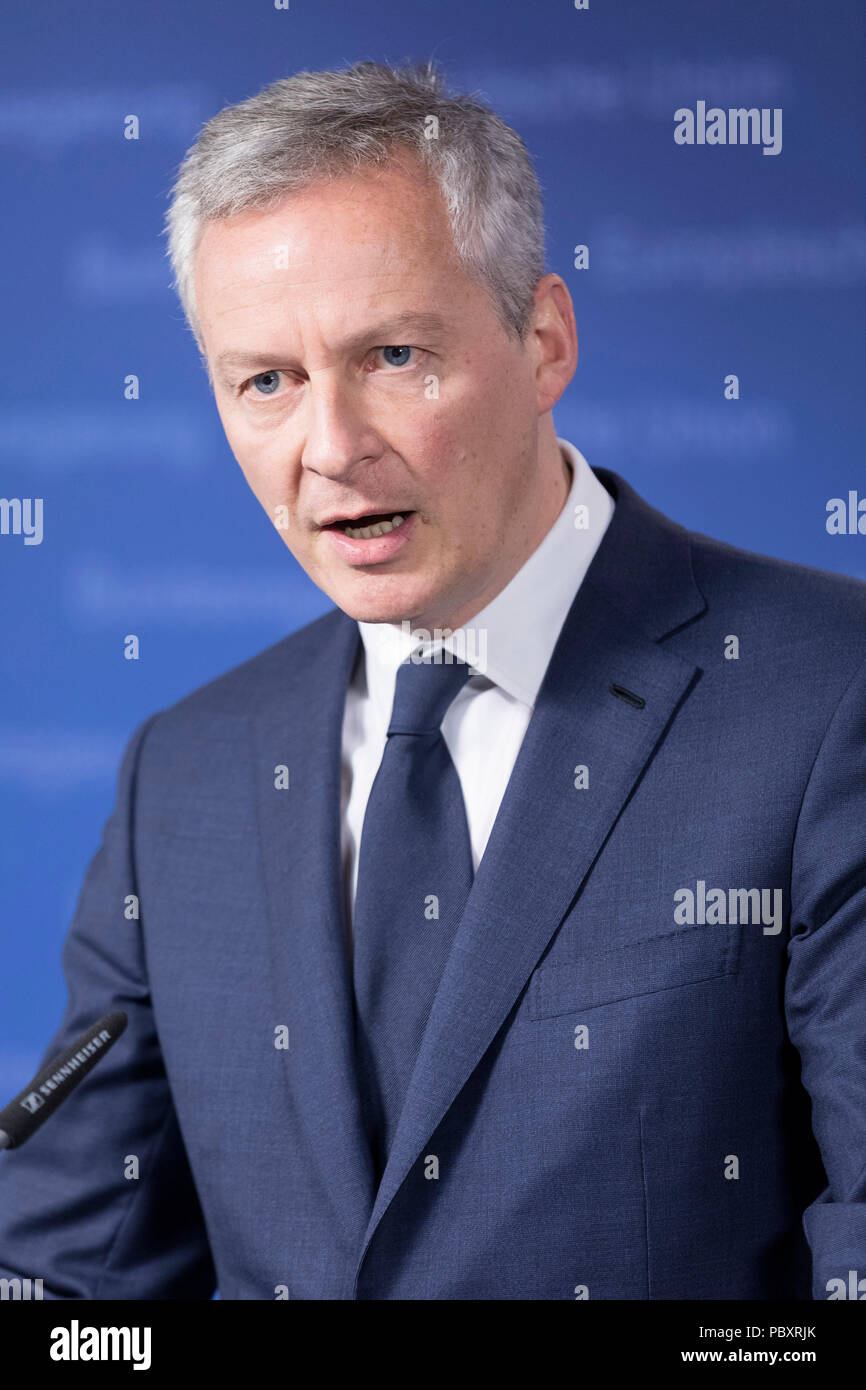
(398, 350)
(266, 382)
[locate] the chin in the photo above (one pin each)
(384, 607)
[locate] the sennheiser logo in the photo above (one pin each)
(76, 1343)
(71, 1065)
(737, 126)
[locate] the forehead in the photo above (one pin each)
(365, 239)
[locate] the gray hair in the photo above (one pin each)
(322, 124)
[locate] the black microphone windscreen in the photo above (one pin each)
(53, 1083)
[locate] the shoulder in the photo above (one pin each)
(705, 586)
(284, 671)
(784, 600)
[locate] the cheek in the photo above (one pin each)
(263, 463)
(457, 421)
(246, 456)
(476, 431)
(461, 473)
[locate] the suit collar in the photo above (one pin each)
(643, 565)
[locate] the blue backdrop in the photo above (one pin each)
(703, 262)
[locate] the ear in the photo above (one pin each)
(553, 339)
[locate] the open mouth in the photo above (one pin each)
(365, 528)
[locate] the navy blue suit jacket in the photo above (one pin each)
(640, 1079)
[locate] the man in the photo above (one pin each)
(501, 934)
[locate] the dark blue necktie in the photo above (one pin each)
(414, 876)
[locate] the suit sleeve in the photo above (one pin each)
(825, 991)
(100, 1203)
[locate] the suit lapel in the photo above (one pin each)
(547, 835)
(301, 727)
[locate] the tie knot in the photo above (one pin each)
(423, 692)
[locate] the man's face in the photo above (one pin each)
(361, 375)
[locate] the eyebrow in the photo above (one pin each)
(426, 325)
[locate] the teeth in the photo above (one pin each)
(381, 528)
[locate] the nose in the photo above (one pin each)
(339, 439)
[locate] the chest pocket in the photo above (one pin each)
(654, 963)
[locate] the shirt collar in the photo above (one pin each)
(511, 640)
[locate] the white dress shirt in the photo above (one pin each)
(513, 638)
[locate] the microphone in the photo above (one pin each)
(53, 1083)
